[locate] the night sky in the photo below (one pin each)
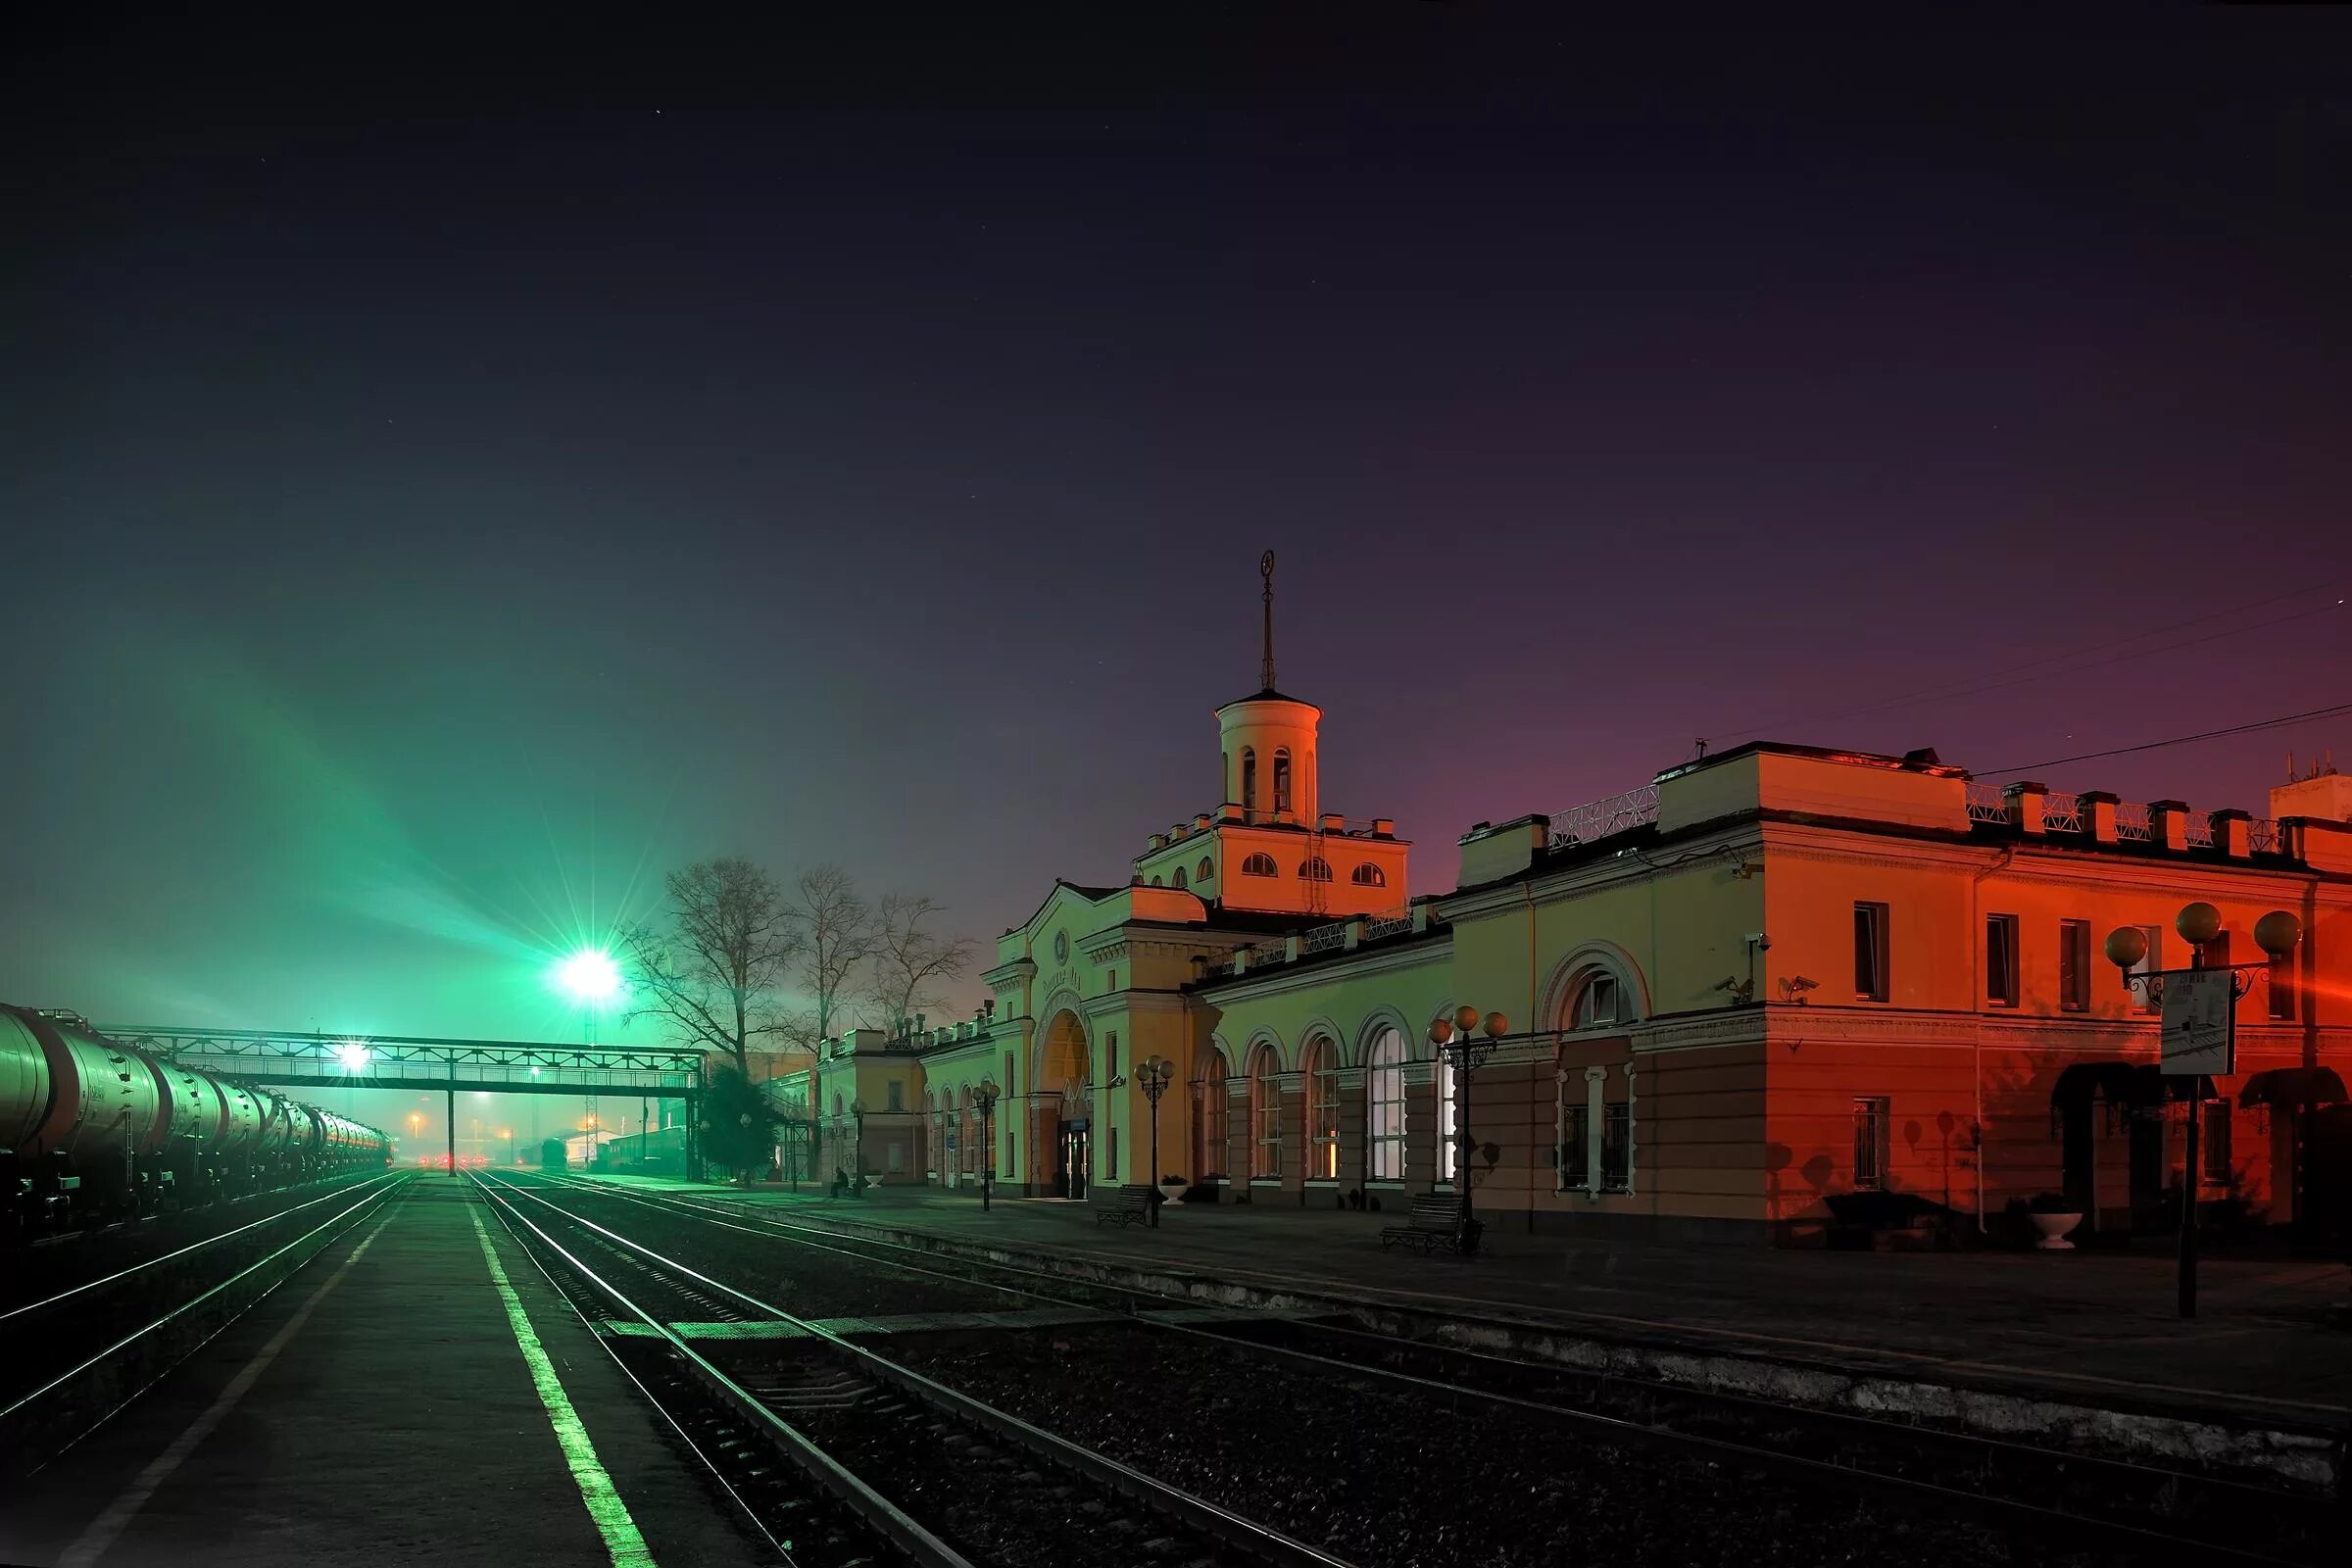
(447, 484)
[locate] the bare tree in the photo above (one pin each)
(836, 931)
(910, 962)
(713, 969)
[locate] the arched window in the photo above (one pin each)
(1208, 1117)
(1598, 1002)
(1156, 880)
(1265, 1117)
(1248, 779)
(1259, 864)
(1178, 879)
(969, 1162)
(1282, 781)
(1315, 870)
(1368, 875)
(1322, 1110)
(839, 1109)
(1384, 1108)
(1206, 871)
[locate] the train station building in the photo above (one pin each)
(1777, 993)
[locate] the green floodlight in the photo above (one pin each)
(589, 977)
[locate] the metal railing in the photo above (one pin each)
(2200, 830)
(2062, 814)
(1390, 923)
(2263, 837)
(1324, 938)
(1986, 803)
(2135, 824)
(1599, 819)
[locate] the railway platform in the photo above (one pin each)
(417, 1393)
(2272, 1347)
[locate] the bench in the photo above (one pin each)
(1430, 1223)
(1129, 1205)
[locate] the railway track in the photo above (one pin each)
(2084, 1502)
(884, 1464)
(83, 1352)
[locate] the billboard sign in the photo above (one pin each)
(2197, 1033)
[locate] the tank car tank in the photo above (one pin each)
(93, 1131)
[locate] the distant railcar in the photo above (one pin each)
(93, 1131)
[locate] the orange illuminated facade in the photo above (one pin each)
(1779, 993)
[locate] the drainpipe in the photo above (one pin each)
(1975, 1011)
(1527, 890)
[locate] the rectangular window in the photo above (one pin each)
(1575, 1143)
(1323, 1132)
(2143, 995)
(1616, 1147)
(2000, 959)
(897, 1157)
(2073, 965)
(896, 1092)
(1870, 952)
(1874, 1116)
(1111, 1171)
(2214, 1152)
(1384, 1119)
(2281, 987)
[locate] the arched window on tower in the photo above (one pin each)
(1248, 779)
(1368, 875)
(1206, 871)
(1178, 879)
(1316, 869)
(1259, 864)
(1282, 781)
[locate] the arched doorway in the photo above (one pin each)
(1065, 1108)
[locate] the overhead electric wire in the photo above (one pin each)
(2047, 666)
(2178, 740)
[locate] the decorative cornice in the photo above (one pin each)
(1011, 976)
(1275, 981)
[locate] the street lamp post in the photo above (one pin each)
(984, 1095)
(1454, 1036)
(1154, 1078)
(858, 1154)
(2276, 933)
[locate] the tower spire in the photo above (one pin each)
(1265, 570)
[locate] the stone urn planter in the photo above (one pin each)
(1171, 1191)
(2053, 1229)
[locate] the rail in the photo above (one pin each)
(2062, 814)
(2263, 836)
(67, 1406)
(1986, 803)
(2135, 824)
(1602, 818)
(1324, 938)
(1390, 923)
(2116, 1521)
(2198, 827)
(1221, 1524)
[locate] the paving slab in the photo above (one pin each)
(381, 1407)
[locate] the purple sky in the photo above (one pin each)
(439, 504)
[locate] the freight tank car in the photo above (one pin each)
(94, 1132)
